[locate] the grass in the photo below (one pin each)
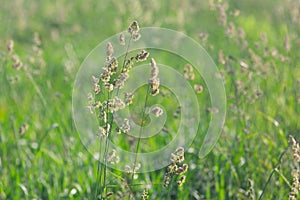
(252, 159)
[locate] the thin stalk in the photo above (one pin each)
(273, 171)
(104, 162)
(140, 133)
(99, 169)
(106, 146)
(37, 89)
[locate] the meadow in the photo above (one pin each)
(255, 45)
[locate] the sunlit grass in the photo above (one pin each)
(48, 160)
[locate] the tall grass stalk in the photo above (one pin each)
(102, 165)
(140, 132)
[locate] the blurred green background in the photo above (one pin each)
(41, 156)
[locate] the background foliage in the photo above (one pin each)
(41, 156)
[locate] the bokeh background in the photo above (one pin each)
(255, 45)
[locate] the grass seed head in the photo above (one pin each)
(134, 27)
(109, 50)
(122, 39)
(120, 81)
(295, 185)
(181, 180)
(10, 46)
(145, 194)
(142, 56)
(157, 111)
(128, 98)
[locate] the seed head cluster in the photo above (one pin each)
(111, 79)
(154, 80)
(176, 168)
(295, 173)
(112, 157)
(145, 194)
(188, 72)
(134, 29)
(295, 148)
(295, 185)
(125, 127)
(157, 111)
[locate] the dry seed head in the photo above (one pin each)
(104, 131)
(179, 151)
(120, 81)
(145, 194)
(128, 98)
(10, 46)
(295, 185)
(13, 79)
(154, 84)
(198, 88)
(142, 56)
(235, 13)
(172, 168)
(154, 68)
(181, 180)
(115, 104)
(243, 65)
(36, 39)
(125, 127)
(177, 112)
(188, 72)
(128, 65)
(182, 170)
(90, 97)
(105, 75)
(295, 148)
(17, 64)
(134, 27)
(95, 80)
(221, 57)
(203, 36)
(136, 36)
(128, 169)
(109, 86)
(178, 155)
(230, 31)
(102, 114)
(154, 80)
(167, 178)
(137, 166)
(157, 111)
(154, 92)
(122, 39)
(251, 191)
(23, 128)
(97, 104)
(112, 157)
(222, 15)
(113, 65)
(241, 33)
(37, 50)
(97, 88)
(15, 58)
(109, 50)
